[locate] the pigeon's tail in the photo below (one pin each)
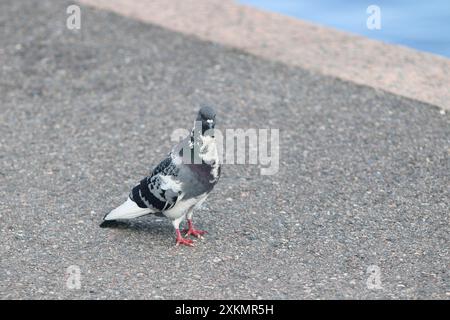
(127, 210)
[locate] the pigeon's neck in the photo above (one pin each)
(205, 143)
(197, 136)
(206, 148)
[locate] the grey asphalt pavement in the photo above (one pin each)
(363, 181)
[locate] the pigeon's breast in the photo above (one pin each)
(198, 179)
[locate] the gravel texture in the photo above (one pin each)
(363, 177)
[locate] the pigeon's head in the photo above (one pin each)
(207, 116)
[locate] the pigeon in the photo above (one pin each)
(180, 183)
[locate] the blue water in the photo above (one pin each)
(423, 25)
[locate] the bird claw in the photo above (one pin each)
(194, 232)
(186, 242)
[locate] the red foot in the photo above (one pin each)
(181, 240)
(192, 231)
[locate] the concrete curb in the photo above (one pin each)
(396, 69)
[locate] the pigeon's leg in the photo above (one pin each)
(191, 230)
(180, 239)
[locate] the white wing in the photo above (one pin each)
(127, 210)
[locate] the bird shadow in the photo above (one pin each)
(149, 226)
